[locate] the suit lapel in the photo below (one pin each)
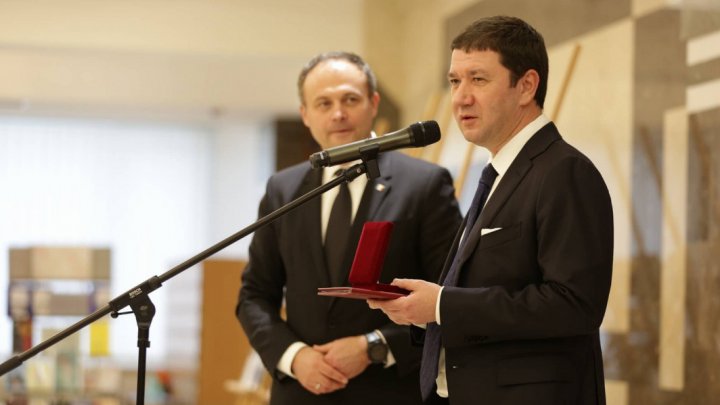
(373, 196)
(375, 193)
(453, 250)
(518, 169)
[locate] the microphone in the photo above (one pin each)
(416, 135)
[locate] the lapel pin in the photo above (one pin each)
(380, 187)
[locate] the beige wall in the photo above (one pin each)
(199, 58)
(173, 57)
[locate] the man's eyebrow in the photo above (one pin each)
(452, 75)
(319, 98)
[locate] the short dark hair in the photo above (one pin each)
(520, 46)
(339, 55)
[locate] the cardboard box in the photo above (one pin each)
(69, 263)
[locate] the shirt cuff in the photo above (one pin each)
(285, 363)
(437, 306)
(390, 359)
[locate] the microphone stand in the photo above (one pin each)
(139, 301)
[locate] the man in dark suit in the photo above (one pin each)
(333, 350)
(515, 318)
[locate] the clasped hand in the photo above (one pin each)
(322, 369)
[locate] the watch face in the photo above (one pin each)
(377, 352)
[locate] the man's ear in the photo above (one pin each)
(375, 101)
(303, 114)
(528, 85)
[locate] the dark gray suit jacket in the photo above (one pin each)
(522, 325)
(286, 261)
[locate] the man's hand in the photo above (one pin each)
(348, 355)
(315, 374)
(417, 308)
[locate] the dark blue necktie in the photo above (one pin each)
(431, 349)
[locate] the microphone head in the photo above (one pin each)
(425, 133)
(319, 159)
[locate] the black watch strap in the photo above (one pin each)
(377, 350)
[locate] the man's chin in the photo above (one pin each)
(472, 136)
(342, 138)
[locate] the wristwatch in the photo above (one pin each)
(377, 350)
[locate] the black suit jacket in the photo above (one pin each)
(522, 325)
(286, 261)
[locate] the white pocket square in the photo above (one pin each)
(486, 231)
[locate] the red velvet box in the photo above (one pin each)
(367, 265)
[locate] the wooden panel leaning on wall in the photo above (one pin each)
(224, 348)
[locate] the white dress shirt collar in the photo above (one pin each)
(505, 156)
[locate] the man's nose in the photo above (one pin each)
(339, 112)
(462, 95)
